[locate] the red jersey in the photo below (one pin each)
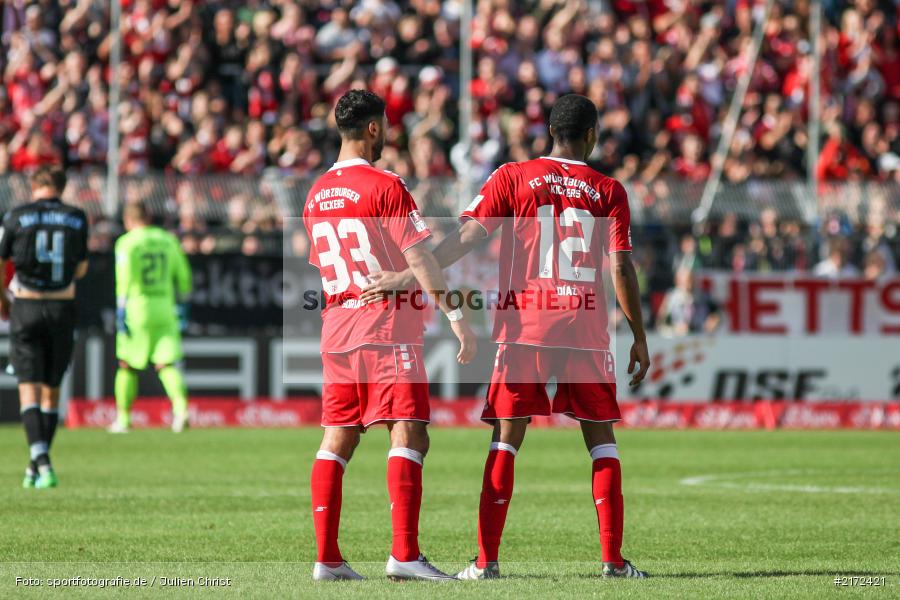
(361, 220)
(560, 218)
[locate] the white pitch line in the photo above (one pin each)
(723, 481)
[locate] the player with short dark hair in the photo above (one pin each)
(153, 285)
(46, 241)
(353, 113)
(571, 117)
(559, 218)
(359, 220)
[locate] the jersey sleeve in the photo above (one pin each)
(7, 230)
(123, 266)
(619, 239)
(401, 217)
(181, 271)
(494, 201)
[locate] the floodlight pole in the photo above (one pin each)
(730, 125)
(465, 102)
(813, 132)
(112, 138)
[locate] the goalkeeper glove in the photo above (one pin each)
(121, 325)
(183, 311)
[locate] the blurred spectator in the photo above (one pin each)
(835, 265)
(686, 258)
(840, 159)
(690, 165)
(661, 75)
(686, 309)
(874, 241)
(334, 38)
(874, 267)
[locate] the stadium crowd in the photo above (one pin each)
(246, 88)
(235, 87)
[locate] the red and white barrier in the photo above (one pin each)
(763, 414)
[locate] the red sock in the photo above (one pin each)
(496, 493)
(325, 483)
(404, 479)
(607, 489)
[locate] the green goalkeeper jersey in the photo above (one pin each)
(152, 275)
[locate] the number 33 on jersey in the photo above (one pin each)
(360, 220)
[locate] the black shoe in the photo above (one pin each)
(627, 571)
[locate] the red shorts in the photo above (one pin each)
(585, 388)
(372, 384)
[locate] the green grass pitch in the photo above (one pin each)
(709, 514)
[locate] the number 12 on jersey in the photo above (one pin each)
(568, 246)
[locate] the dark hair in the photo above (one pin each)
(49, 176)
(355, 110)
(572, 116)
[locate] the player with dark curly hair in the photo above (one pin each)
(359, 218)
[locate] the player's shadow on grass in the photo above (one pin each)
(751, 574)
(835, 573)
(526, 576)
(664, 576)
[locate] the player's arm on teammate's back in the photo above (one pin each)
(452, 248)
(408, 230)
(482, 216)
(459, 243)
(628, 291)
(426, 270)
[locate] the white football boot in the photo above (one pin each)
(342, 572)
(472, 572)
(415, 569)
(117, 427)
(180, 423)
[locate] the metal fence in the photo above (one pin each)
(225, 198)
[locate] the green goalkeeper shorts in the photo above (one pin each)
(156, 345)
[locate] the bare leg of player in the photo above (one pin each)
(496, 494)
(606, 486)
(338, 444)
(409, 445)
(40, 472)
